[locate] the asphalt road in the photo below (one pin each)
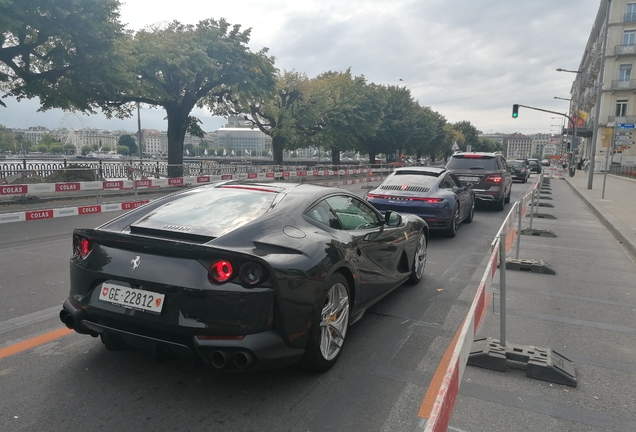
(72, 382)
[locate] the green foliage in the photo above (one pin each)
(86, 149)
(123, 150)
(470, 133)
(59, 50)
(128, 142)
(48, 140)
(181, 66)
(56, 148)
(8, 143)
(42, 148)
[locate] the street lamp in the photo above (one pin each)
(576, 111)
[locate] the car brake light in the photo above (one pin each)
(472, 156)
(81, 246)
(428, 200)
(220, 272)
(493, 178)
(378, 196)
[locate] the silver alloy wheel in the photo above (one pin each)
(334, 321)
(420, 256)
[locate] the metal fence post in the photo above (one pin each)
(520, 213)
(502, 288)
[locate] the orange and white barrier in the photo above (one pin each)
(38, 188)
(101, 208)
(69, 211)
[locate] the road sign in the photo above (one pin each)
(626, 125)
(623, 138)
(622, 133)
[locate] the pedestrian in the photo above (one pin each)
(586, 165)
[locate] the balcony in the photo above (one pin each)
(624, 119)
(629, 17)
(625, 50)
(623, 85)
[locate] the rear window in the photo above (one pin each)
(410, 178)
(469, 163)
(212, 212)
(533, 162)
(515, 164)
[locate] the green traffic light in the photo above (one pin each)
(515, 111)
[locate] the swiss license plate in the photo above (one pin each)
(132, 298)
(469, 179)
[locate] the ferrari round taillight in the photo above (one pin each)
(81, 246)
(251, 273)
(220, 271)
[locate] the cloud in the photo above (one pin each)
(469, 60)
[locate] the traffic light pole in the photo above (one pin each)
(561, 114)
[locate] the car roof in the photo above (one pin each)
(429, 170)
(468, 154)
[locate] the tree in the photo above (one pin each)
(345, 113)
(123, 150)
(86, 149)
(469, 132)
(59, 50)
(8, 143)
(182, 66)
(279, 114)
(128, 142)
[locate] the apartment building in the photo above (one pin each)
(612, 75)
(517, 146)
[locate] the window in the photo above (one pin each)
(625, 73)
(352, 213)
(322, 213)
(621, 108)
(630, 15)
(629, 37)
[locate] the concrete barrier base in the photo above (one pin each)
(539, 363)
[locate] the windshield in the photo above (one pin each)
(410, 178)
(515, 164)
(212, 212)
(485, 163)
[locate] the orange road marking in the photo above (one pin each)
(33, 342)
(436, 382)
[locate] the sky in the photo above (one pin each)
(466, 59)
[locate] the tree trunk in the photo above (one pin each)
(372, 157)
(278, 145)
(335, 156)
(177, 124)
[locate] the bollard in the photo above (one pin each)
(502, 288)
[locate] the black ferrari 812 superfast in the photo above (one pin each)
(242, 275)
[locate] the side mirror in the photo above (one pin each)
(392, 218)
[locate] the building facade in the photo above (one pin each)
(517, 146)
(611, 76)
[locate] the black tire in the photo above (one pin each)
(419, 259)
(451, 231)
(329, 327)
(471, 212)
(499, 205)
(507, 199)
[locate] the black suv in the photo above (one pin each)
(519, 169)
(535, 165)
(488, 174)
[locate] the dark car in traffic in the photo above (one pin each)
(242, 275)
(535, 165)
(434, 194)
(486, 173)
(519, 169)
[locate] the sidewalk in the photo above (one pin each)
(617, 210)
(586, 313)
